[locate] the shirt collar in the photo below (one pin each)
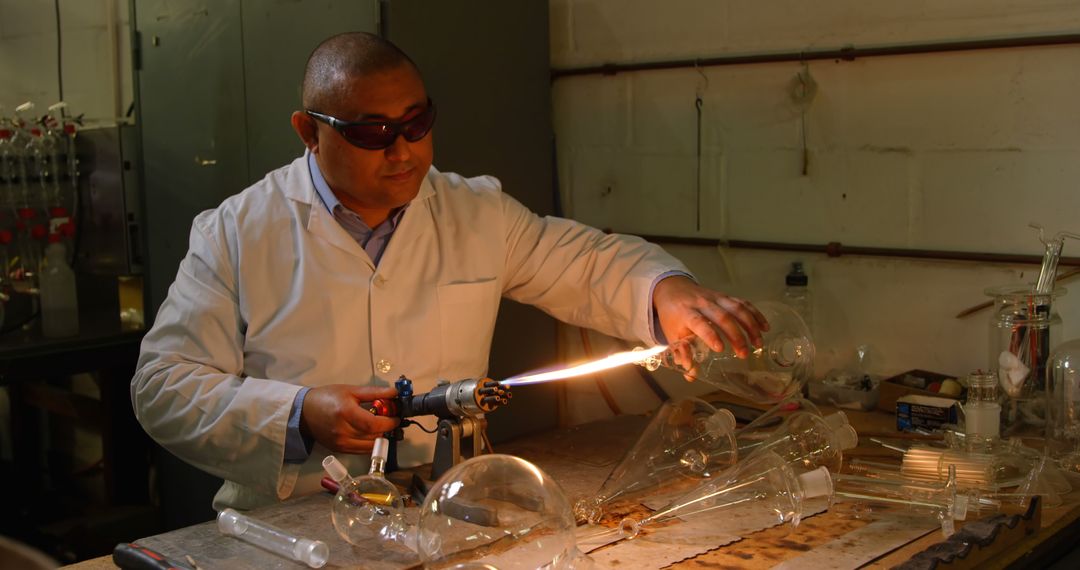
(321, 187)
(330, 200)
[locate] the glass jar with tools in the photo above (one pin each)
(1023, 328)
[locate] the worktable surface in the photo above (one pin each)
(763, 549)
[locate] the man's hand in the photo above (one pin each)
(333, 416)
(686, 308)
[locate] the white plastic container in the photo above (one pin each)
(59, 303)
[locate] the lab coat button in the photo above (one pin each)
(379, 280)
(383, 365)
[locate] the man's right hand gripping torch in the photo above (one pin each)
(460, 407)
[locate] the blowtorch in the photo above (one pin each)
(460, 407)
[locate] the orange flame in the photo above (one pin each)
(606, 363)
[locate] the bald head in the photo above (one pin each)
(343, 58)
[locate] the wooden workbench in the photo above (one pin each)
(824, 532)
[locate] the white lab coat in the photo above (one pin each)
(274, 295)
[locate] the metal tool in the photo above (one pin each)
(131, 556)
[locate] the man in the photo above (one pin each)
(318, 286)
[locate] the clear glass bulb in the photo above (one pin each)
(687, 438)
(497, 511)
(368, 509)
(777, 370)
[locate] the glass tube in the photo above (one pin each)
(314, 553)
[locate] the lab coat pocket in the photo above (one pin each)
(467, 314)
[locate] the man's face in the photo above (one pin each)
(376, 179)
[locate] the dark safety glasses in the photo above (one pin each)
(377, 135)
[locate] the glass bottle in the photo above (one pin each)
(982, 412)
(59, 301)
(770, 374)
(1023, 328)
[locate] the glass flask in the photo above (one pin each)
(762, 484)
(497, 511)
(1022, 329)
(806, 441)
(777, 370)
(686, 438)
(367, 509)
(1063, 405)
(941, 501)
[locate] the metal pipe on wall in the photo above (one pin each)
(837, 249)
(847, 53)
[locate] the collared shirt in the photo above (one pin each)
(374, 241)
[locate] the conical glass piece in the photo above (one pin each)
(806, 441)
(777, 370)
(497, 511)
(763, 483)
(769, 419)
(686, 438)
(941, 501)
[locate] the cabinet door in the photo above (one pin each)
(192, 119)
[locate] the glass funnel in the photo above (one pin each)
(763, 484)
(766, 423)
(806, 441)
(777, 370)
(368, 508)
(497, 511)
(687, 438)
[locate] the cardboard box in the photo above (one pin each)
(914, 412)
(892, 390)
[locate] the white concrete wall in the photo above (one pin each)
(95, 44)
(954, 151)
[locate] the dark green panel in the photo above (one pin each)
(192, 121)
(275, 51)
(486, 64)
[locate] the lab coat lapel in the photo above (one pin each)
(320, 222)
(414, 225)
(324, 226)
